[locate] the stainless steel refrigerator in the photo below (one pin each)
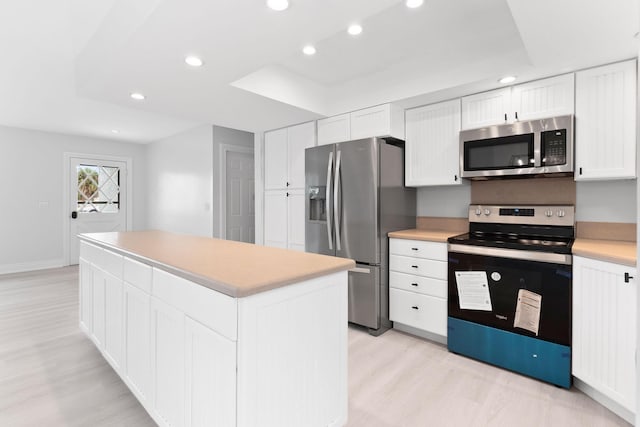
(355, 195)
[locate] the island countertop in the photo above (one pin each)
(234, 268)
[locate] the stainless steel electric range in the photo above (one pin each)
(509, 283)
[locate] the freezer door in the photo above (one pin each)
(356, 179)
(364, 296)
(319, 232)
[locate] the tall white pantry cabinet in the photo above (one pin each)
(284, 201)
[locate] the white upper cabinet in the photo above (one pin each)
(334, 129)
(534, 100)
(432, 148)
(543, 98)
(381, 120)
(486, 109)
(606, 122)
(284, 155)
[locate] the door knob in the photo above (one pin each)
(74, 214)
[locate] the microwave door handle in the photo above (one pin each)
(336, 204)
(328, 199)
(537, 149)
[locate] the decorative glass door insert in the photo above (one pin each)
(98, 188)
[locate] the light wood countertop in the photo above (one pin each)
(233, 268)
(428, 235)
(606, 250)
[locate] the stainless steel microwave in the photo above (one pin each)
(523, 148)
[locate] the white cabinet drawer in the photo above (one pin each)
(137, 274)
(420, 311)
(419, 284)
(111, 263)
(418, 248)
(90, 253)
(211, 308)
(418, 266)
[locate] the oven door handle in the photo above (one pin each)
(524, 255)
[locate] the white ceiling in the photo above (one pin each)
(69, 66)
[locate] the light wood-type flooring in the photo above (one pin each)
(52, 375)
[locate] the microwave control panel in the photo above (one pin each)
(554, 147)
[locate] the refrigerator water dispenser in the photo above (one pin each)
(317, 203)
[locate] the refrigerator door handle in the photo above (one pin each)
(328, 199)
(336, 206)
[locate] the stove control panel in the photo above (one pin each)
(532, 214)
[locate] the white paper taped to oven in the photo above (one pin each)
(528, 311)
(473, 290)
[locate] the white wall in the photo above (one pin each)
(184, 179)
(606, 201)
(180, 180)
(31, 190)
(445, 201)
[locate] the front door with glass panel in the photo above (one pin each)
(97, 199)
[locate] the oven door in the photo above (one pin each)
(524, 292)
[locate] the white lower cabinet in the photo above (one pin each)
(86, 296)
(418, 284)
(98, 309)
(210, 377)
(195, 357)
(604, 329)
(137, 342)
(168, 362)
(113, 324)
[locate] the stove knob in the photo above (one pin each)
(478, 211)
(487, 212)
(560, 213)
(549, 213)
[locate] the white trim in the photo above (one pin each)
(67, 156)
(258, 144)
(32, 266)
(604, 400)
(222, 167)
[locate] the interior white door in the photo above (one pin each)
(240, 201)
(97, 199)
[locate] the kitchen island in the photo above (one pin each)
(208, 332)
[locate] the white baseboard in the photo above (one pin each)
(605, 401)
(31, 266)
(420, 333)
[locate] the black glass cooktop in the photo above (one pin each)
(553, 244)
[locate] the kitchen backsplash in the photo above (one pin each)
(543, 191)
(598, 201)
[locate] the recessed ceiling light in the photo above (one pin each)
(193, 61)
(354, 29)
(414, 3)
(309, 50)
(278, 5)
(507, 79)
(137, 96)
(115, 131)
